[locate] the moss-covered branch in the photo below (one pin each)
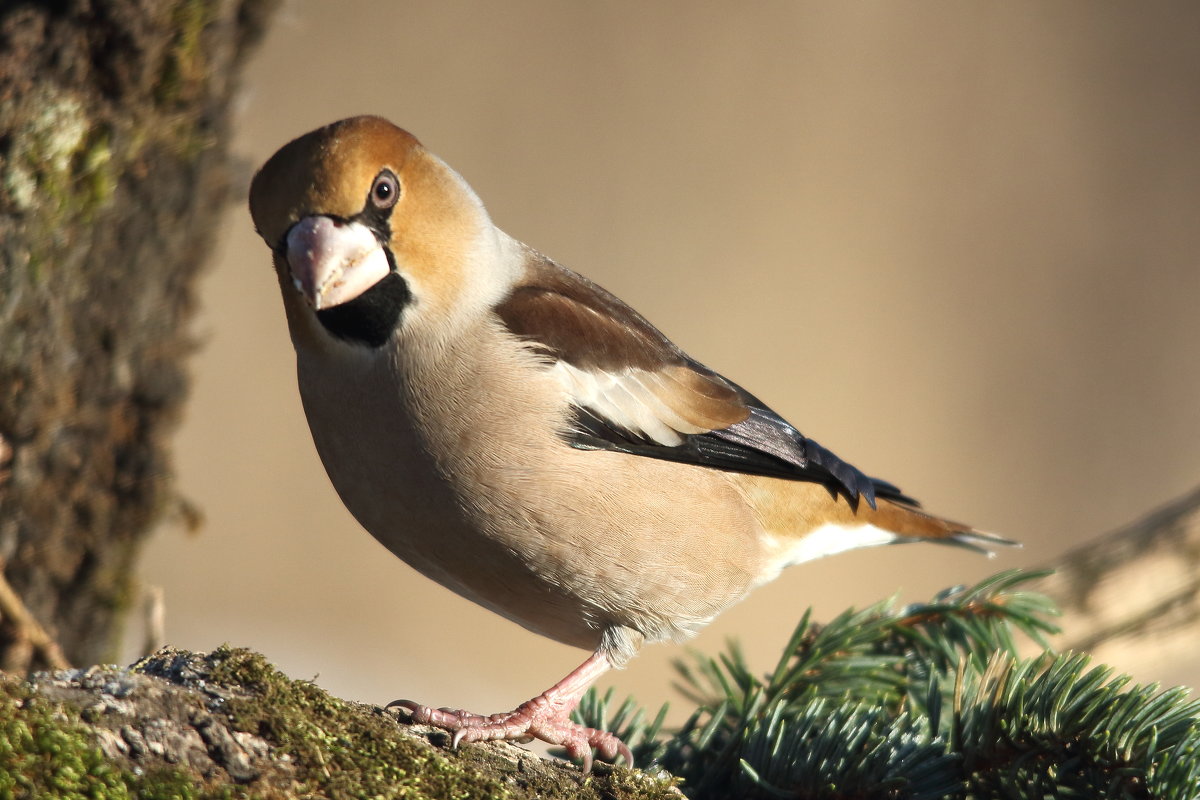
(229, 725)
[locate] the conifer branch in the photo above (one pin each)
(927, 701)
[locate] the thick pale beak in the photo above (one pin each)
(334, 262)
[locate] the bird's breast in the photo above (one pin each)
(456, 464)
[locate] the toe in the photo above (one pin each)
(528, 722)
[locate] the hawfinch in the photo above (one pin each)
(526, 439)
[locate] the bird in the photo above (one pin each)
(523, 437)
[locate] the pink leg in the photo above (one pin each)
(546, 717)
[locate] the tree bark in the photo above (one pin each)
(227, 724)
(114, 168)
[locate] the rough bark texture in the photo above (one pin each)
(227, 724)
(113, 170)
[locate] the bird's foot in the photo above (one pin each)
(544, 717)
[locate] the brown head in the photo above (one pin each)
(366, 226)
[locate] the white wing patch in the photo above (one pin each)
(628, 400)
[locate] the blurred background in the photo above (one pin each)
(955, 243)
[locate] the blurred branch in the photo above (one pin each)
(155, 616)
(1136, 590)
(14, 613)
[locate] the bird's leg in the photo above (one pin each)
(545, 717)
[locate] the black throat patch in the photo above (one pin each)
(371, 317)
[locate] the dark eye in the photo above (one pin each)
(385, 191)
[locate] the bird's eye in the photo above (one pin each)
(385, 190)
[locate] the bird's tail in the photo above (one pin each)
(807, 521)
(909, 522)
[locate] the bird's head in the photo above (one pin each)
(368, 228)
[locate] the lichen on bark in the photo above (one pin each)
(227, 724)
(114, 169)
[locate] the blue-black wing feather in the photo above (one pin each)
(762, 444)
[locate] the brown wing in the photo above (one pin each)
(634, 391)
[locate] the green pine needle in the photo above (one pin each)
(927, 701)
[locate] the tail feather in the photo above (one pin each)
(909, 522)
(978, 541)
(806, 521)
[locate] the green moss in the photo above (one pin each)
(341, 750)
(97, 176)
(629, 785)
(334, 749)
(44, 756)
(45, 752)
(43, 156)
(185, 66)
(60, 169)
(177, 784)
(183, 80)
(349, 751)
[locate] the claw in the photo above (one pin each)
(405, 710)
(531, 721)
(545, 717)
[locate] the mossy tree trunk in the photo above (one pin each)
(114, 168)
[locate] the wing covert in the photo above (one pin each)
(635, 391)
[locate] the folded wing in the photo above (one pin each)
(634, 391)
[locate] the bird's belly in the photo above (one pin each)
(566, 543)
(412, 510)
